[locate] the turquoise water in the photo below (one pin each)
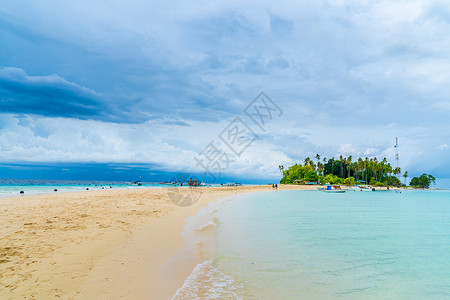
(12, 187)
(356, 245)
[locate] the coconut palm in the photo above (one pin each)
(349, 163)
(312, 164)
(397, 171)
(361, 166)
(320, 168)
(342, 162)
(405, 176)
(306, 161)
(324, 163)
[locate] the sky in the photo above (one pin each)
(154, 85)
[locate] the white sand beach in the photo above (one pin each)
(108, 244)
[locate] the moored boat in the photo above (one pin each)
(333, 189)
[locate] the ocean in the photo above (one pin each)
(315, 245)
(13, 187)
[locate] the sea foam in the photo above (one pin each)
(207, 282)
(206, 226)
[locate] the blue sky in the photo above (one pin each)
(152, 82)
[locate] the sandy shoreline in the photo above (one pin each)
(107, 244)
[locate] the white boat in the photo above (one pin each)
(333, 189)
(361, 188)
(232, 184)
(137, 182)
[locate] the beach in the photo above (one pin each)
(107, 244)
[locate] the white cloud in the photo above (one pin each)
(346, 149)
(370, 152)
(171, 147)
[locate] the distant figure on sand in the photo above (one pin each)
(195, 182)
(276, 186)
(190, 182)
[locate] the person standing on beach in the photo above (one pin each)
(190, 182)
(195, 182)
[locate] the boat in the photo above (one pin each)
(361, 188)
(136, 182)
(333, 189)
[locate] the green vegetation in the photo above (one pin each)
(423, 181)
(295, 172)
(332, 179)
(349, 181)
(311, 176)
(348, 172)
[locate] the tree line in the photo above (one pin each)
(345, 170)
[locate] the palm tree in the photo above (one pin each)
(366, 167)
(375, 167)
(405, 176)
(361, 166)
(370, 167)
(306, 161)
(324, 163)
(318, 160)
(313, 166)
(354, 168)
(349, 163)
(342, 161)
(320, 167)
(281, 168)
(332, 166)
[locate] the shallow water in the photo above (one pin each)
(12, 187)
(314, 245)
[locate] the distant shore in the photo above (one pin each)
(98, 244)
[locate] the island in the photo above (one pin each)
(346, 171)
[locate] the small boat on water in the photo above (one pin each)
(361, 188)
(136, 182)
(333, 189)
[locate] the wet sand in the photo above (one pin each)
(108, 244)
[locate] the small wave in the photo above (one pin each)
(206, 226)
(206, 282)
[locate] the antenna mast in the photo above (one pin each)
(396, 152)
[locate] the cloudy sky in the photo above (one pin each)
(121, 84)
